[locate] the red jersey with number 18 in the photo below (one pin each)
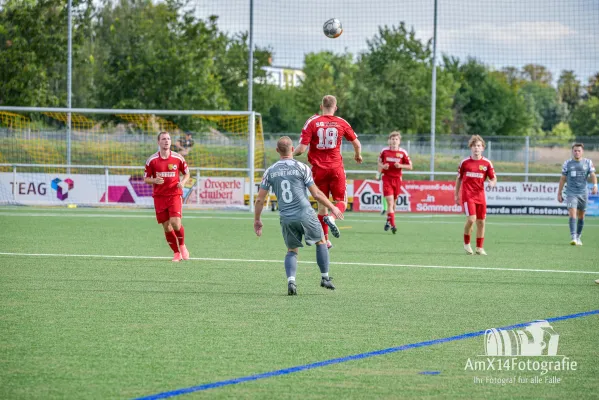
(324, 133)
(473, 174)
(169, 169)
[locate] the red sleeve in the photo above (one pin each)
(149, 173)
(406, 159)
(490, 171)
(307, 131)
(381, 155)
(349, 133)
(461, 170)
(183, 166)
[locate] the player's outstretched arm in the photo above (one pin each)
(357, 151)
(322, 199)
(258, 206)
(300, 149)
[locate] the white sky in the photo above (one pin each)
(559, 34)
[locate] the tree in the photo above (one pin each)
(569, 89)
(487, 105)
(392, 85)
(33, 50)
(548, 109)
(585, 118)
(593, 87)
(326, 73)
(537, 73)
(157, 56)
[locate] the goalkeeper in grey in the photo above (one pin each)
(291, 180)
(575, 174)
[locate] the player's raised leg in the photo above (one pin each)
(337, 187)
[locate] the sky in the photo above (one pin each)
(559, 34)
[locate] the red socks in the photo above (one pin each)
(171, 239)
(391, 219)
(325, 227)
(180, 236)
(466, 239)
(341, 206)
(479, 242)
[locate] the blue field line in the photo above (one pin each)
(319, 364)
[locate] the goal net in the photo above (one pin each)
(100, 160)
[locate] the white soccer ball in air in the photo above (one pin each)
(332, 28)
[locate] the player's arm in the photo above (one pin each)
(258, 206)
(405, 166)
(357, 150)
(458, 184)
(560, 188)
(493, 181)
(594, 180)
(322, 199)
(183, 181)
(149, 177)
(300, 149)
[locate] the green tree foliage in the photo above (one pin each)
(585, 118)
(486, 104)
(537, 73)
(326, 73)
(393, 85)
(157, 56)
(593, 86)
(33, 50)
(569, 88)
(544, 103)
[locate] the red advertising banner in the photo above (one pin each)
(416, 197)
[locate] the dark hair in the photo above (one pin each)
(578, 145)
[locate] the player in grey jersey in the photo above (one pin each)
(575, 173)
(289, 179)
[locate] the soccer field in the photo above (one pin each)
(92, 307)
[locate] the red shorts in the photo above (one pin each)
(391, 186)
(167, 207)
(478, 209)
(330, 182)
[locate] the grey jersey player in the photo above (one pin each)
(575, 174)
(290, 180)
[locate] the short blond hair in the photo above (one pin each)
(474, 139)
(395, 133)
(329, 102)
(284, 145)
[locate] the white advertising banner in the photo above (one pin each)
(53, 189)
(523, 194)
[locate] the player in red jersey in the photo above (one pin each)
(323, 133)
(392, 161)
(163, 170)
(472, 173)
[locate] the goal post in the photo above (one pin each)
(108, 149)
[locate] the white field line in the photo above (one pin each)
(273, 217)
(304, 262)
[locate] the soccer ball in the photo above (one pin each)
(332, 28)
